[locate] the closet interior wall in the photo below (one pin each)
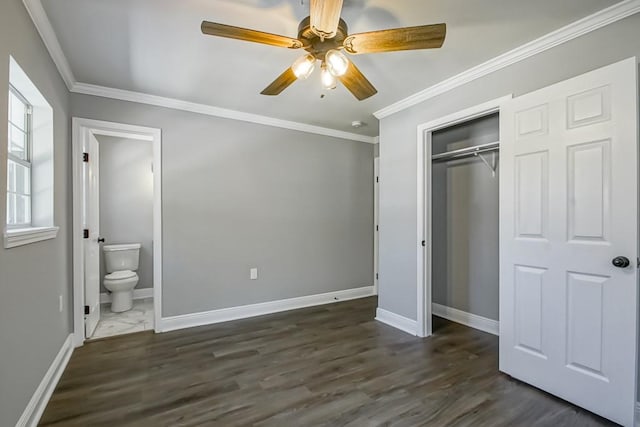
(465, 258)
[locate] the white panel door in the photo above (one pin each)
(568, 208)
(91, 222)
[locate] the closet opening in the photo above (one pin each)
(458, 180)
(464, 228)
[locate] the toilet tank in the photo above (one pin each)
(121, 257)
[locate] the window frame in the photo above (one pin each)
(26, 163)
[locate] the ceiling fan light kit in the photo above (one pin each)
(337, 63)
(328, 79)
(304, 66)
(324, 36)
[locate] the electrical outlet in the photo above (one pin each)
(253, 274)
(60, 303)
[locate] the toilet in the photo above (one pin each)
(121, 263)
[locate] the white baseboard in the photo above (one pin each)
(137, 294)
(242, 312)
(32, 413)
(471, 320)
(399, 322)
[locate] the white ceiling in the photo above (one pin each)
(156, 47)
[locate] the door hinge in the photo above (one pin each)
(85, 157)
(377, 229)
(424, 243)
(377, 179)
(85, 233)
(87, 311)
(376, 276)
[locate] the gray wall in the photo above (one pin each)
(238, 195)
(126, 200)
(398, 148)
(32, 277)
(465, 222)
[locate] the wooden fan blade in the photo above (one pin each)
(357, 83)
(221, 30)
(283, 81)
(325, 16)
(408, 38)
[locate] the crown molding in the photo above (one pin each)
(574, 30)
(210, 110)
(50, 40)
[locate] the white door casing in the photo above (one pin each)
(568, 206)
(91, 222)
(376, 216)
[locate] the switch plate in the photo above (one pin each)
(253, 274)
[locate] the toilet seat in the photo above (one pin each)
(120, 275)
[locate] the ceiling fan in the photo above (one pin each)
(324, 35)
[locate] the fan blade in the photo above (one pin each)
(325, 16)
(408, 38)
(221, 30)
(357, 83)
(283, 81)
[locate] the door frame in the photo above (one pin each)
(424, 327)
(81, 128)
(376, 220)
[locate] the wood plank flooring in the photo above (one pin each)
(331, 365)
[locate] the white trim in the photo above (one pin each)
(50, 40)
(23, 236)
(80, 129)
(567, 33)
(423, 274)
(376, 223)
(137, 294)
(32, 413)
(395, 320)
(210, 110)
(242, 312)
(468, 319)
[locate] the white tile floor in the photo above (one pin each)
(139, 318)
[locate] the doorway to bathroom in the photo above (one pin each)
(116, 229)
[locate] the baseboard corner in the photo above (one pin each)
(468, 319)
(36, 406)
(396, 321)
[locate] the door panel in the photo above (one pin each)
(91, 245)
(569, 205)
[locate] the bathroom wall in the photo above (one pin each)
(237, 195)
(34, 277)
(465, 222)
(126, 199)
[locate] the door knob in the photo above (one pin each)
(101, 240)
(621, 262)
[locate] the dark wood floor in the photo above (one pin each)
(331, 365)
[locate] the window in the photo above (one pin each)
(29, 163)
(19, 161)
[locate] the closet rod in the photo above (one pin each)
(464, 152)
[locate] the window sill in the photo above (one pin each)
(25, 236)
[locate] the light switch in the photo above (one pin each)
(253, 274)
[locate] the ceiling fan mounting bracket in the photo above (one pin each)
(316, 45)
